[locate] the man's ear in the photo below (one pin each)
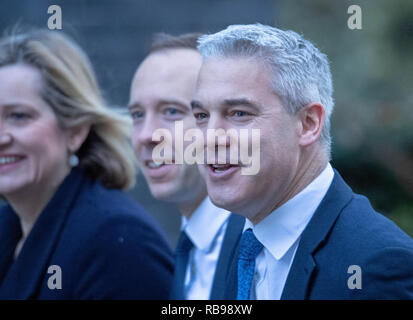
(312, 121)
(77, 136)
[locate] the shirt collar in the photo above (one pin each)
(204, 224)
(282, 227)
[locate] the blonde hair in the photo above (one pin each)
(70, 88)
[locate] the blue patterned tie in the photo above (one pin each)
(249, 248)
(181, 261)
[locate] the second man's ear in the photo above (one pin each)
(312, 121)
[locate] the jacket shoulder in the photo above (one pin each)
(365, 240)
(361, 225)
(113, 249)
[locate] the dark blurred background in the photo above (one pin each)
(372, 73)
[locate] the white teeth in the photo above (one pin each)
(154, 165)
(220, 167)
(217, 166)
(5, 160)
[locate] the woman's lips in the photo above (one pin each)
(9, 162)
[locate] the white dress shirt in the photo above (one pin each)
(280, 233)
(206, 229)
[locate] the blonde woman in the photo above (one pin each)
(68, 231)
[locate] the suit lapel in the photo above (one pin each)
(304, 266)
(24, 276)
(232, 236)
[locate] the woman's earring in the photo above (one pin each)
(73, 160)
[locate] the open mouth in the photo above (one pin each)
(221, 167)
(8, 162)
(222, 172)
(158, 170)
(10, 159)
(152, 165)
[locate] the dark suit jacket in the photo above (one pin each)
(345, 231)
(226, 255)
(106, 246)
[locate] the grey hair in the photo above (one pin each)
(301, 73)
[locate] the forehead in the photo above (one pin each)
(170, 73)
(19, 82)
(223, 78)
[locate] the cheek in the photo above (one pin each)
(134, 140)
(276, 159)
(48, 142)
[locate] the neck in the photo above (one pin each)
(309, 167)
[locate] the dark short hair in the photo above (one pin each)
(163, 41)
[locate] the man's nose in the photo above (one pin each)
(146, 131)
(217, 127)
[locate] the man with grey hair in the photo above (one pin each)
(307, 235)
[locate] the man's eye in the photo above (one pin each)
(200, 115)
(240, 113)
(137, 114)
(172, 111)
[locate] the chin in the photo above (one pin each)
(224, 200)
(9, 187)
(163, 192)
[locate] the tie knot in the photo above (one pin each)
(184, 243)
(249, 246)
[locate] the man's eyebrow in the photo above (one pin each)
(241, 102)
(134, 105)
(230, 102)
(196, 104)
(161, 103)
(173, 102)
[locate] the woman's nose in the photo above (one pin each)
(5, 137)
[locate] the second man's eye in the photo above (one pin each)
(172, 111)
(137, 114)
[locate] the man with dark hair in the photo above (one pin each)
(160, 96)
(163, 41)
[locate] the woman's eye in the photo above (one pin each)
(19, 116)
